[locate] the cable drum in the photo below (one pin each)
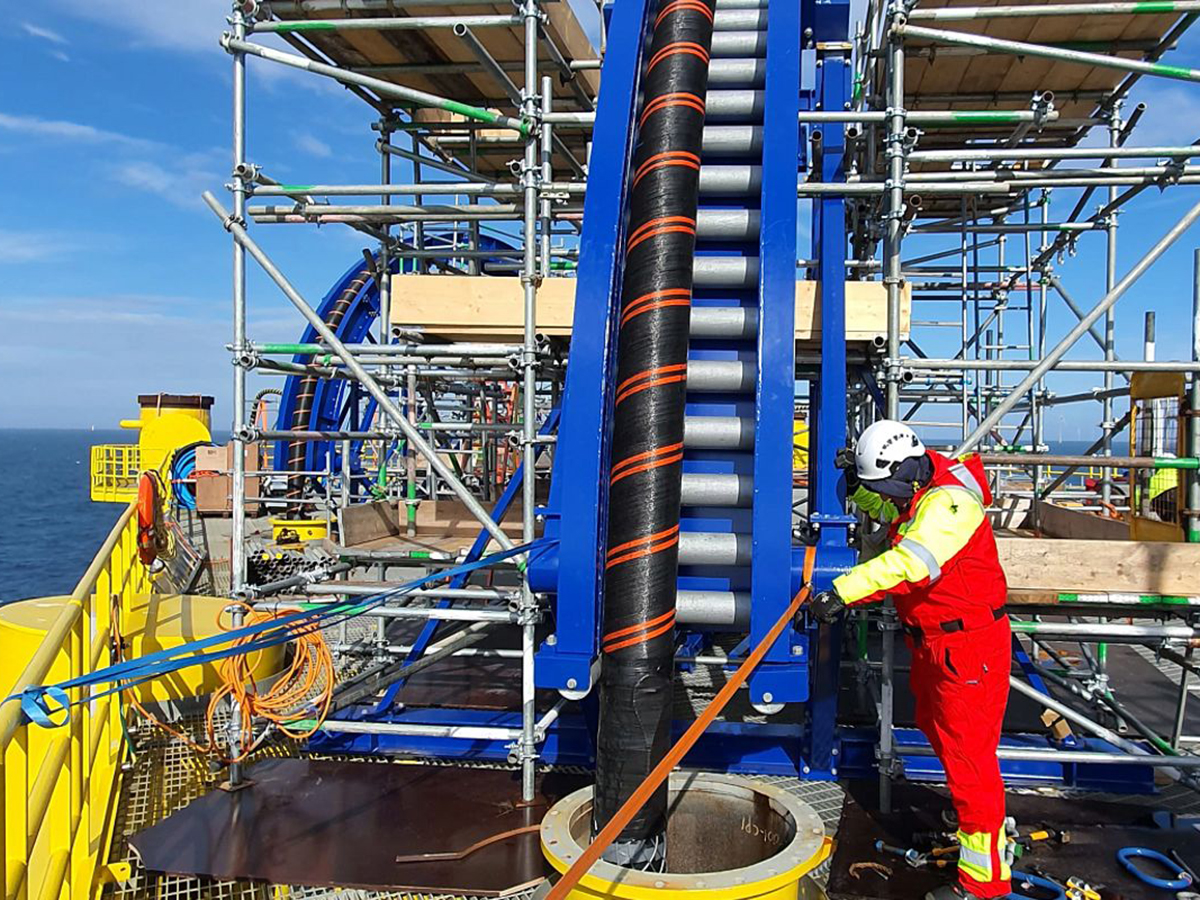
(647, 443)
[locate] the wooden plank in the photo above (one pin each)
(1073, 566)
(470, 307)
(1064, 522)
(363, 522)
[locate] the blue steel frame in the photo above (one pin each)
(578, 504)
(781, 679)
(578, 496)
(827, 402)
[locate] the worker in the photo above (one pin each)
(942, 570)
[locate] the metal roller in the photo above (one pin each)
(733, 44)
(711, 548)
(720, 375)
(741, 4)
(734, 104)
(732, 140)
(715, 609)
(739, 19)
(744, 72)
(730, 181)
(726, 271)
(727, 224)
(716, 489)
(718, 433)
(736, 322)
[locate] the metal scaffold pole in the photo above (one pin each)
(237, 541)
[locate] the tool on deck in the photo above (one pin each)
(914, 857)
(1021, 881)
(1180, 879)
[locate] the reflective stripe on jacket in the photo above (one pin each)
(942, 564)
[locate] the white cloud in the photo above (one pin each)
(60, 56)
(193, 25)
(312, 144)
(72, 131)
(180, 185)
(31, 246)
(45, 34)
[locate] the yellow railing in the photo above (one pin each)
(58, 786)
(114, 470)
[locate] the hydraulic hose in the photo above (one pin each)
(641, 565)
(302, 412)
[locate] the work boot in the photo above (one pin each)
(951, 892)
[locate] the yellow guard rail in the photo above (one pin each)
(58, 786)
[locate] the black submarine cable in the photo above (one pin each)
(642, 561)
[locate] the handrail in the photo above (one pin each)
(66, 832)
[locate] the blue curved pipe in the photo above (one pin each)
(331, 406)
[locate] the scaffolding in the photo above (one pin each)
(964, 129)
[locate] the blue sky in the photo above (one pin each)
(114, 279)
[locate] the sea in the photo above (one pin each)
(50, 530)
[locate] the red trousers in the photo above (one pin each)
(960, 682)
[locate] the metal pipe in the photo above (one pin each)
(389, 149)
(993, 154)
(1060, 349)
(1094, 727)
(1107, 631)
(390, 23)
(368, 381)
(969, 13)
(1063, 54)
(1193, 421)
(378, 85)
(530, 110)
(237, 541)
(461, 732)
(1066, 365)
(1103, 462)
(1076, 757)
(934, 116)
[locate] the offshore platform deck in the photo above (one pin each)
(358, 646)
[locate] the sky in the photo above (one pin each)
(115, 279)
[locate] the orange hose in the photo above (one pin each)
(307, 682)
(676, 754)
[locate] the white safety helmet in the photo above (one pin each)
(882, 447)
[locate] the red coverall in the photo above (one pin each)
(949, 589)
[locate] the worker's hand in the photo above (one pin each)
(846, 462)
(827, 606)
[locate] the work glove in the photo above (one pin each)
(827, 606)
(846, 462)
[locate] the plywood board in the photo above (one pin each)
(1064, 522)
(1079, 566)
(363, 522)
(472, 307)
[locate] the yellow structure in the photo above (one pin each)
(758, 841)
(58, 786)
(294, 531)
(166, 423)
(799, 446)
(154, 622)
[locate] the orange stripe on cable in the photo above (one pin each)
(640, 232)
(676, 98)
(645, 551)
(650, 307)
(667, 158)
(675, 755)
(651, 373)
(671, 49)
(640, 626)
(638, 388)
(645, 467)
(638, 457)
(653, 296)
(658, 232)
(639, 638)
(642, 540)
(683, 6)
